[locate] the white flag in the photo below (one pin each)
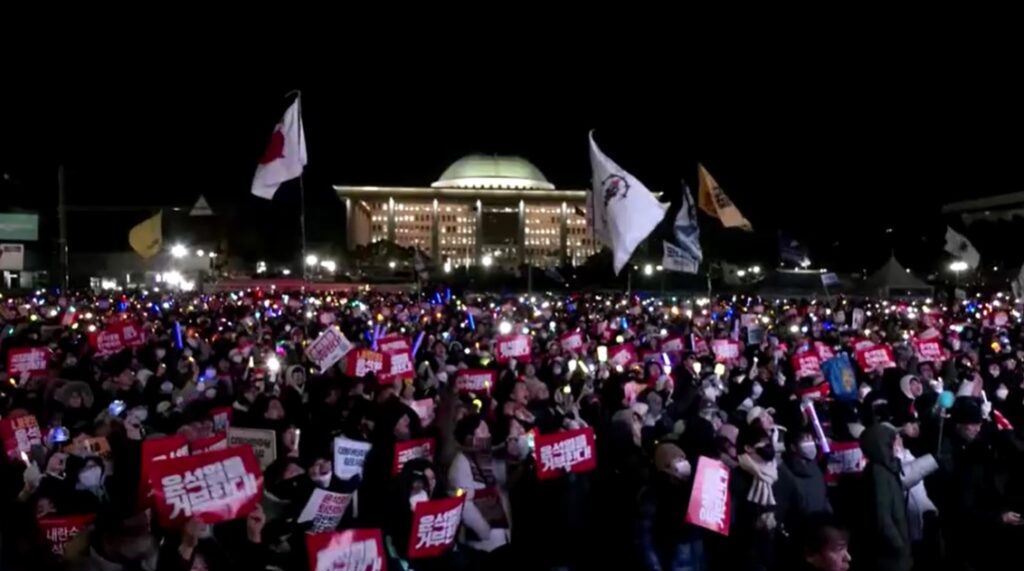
(285, 155)
(676, 259)
(961, 247)
(1017, 285)
(625, 212)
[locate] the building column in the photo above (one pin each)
(521, 239)
(435, 235)
(563, 234)
(350, 221)
(479, 240)
(391, 219)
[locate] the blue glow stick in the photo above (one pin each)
(447, 295)
(177, 334)
(437, 298)
(416, 345)
(472, 322)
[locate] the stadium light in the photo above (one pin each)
(179, 251)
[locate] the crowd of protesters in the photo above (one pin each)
(864, 434)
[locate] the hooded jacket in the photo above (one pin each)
(889, 547)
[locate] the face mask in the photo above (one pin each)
(160, 354)
(756, 390)
(322, 480)
(1002, 392)
(90, 477)
(416, 498)
(70, 362)
(683, 469)
(994, 371)
(210, 393)
(166, 387)
(808, 449)
(556, 370)
(767, 453)
(236, 359)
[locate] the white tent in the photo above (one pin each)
(893, 280)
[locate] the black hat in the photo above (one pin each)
(966, 410)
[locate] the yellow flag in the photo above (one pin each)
(713, 201)
(147, 237)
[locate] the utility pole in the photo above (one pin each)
(62, 220)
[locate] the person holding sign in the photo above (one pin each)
(665, 540)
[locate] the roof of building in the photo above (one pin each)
(493, 172)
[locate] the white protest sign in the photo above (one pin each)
(325, 509)
(349, 456)
(328, 348)
(262, 441)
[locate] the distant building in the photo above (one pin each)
(495, 208)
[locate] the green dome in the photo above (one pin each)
(495, 172)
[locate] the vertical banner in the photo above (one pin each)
(349, 550)
(19, 434)
(434, 525)
(709, 499)
(567, 451)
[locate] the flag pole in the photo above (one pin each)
(302, 191)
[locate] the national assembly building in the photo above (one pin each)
(484, 209)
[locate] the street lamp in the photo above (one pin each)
(755, 270)
(201, 253)
(741, 273)
(179, 251)
(311, 260)
(392, 264)
(958, 266)
(648, 269)
(487, 261)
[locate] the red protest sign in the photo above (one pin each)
(709, 498)
(845, 458)
(19, 434)
(806, 364)
(349, 550)
(512, 346)
(156, 450)
(411, 450)
(221, 419)
(434, 525)
(561, 452)
(360, 362)
(673, 345)
(571, 341)
(131, 334)
(824, 351)
(27, 360)
(60, 530)
(397, 365)
(725, 349)
(876, 357)
(929, 350)
(203, 445)
(107, 341)
(217, 486)
(393, 342)
(622, 355)
(476, 381)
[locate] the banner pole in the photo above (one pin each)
(302, 193)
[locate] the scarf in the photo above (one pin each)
(765, 474)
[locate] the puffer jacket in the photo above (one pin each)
(888, 548)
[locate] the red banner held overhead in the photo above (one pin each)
(20, 434)
(561, 452)
(434, 525)
(571, 341)
(622, 355)
(513, 347)
(929, 350)
(394, 342)
(398, 364)
(361, 362)
(876, 357)
(476, 381)
(26, 360)
(725, 349)
(806, 364)
(217, 486)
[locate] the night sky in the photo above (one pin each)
(831, 150)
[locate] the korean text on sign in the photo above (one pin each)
(20, 434)
(26, 360)
(328, 348)
(411, 450)
(60, 530)
(709, 500)
(513, 346)
(350, 550)
(435, 523)
(349, 457)
(561, 452)
(216, 486)
(476, 381)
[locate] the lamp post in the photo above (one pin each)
(957, 267)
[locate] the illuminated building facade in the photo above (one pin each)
(497, 208)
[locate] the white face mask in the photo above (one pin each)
(322, 480)
(683, 468)
(236, 359)
(416, 498)
(166, 387)
(160, 354)
(210, 393)
(90, 477)
(1002, 392)
(808, 449)
(556, 371)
